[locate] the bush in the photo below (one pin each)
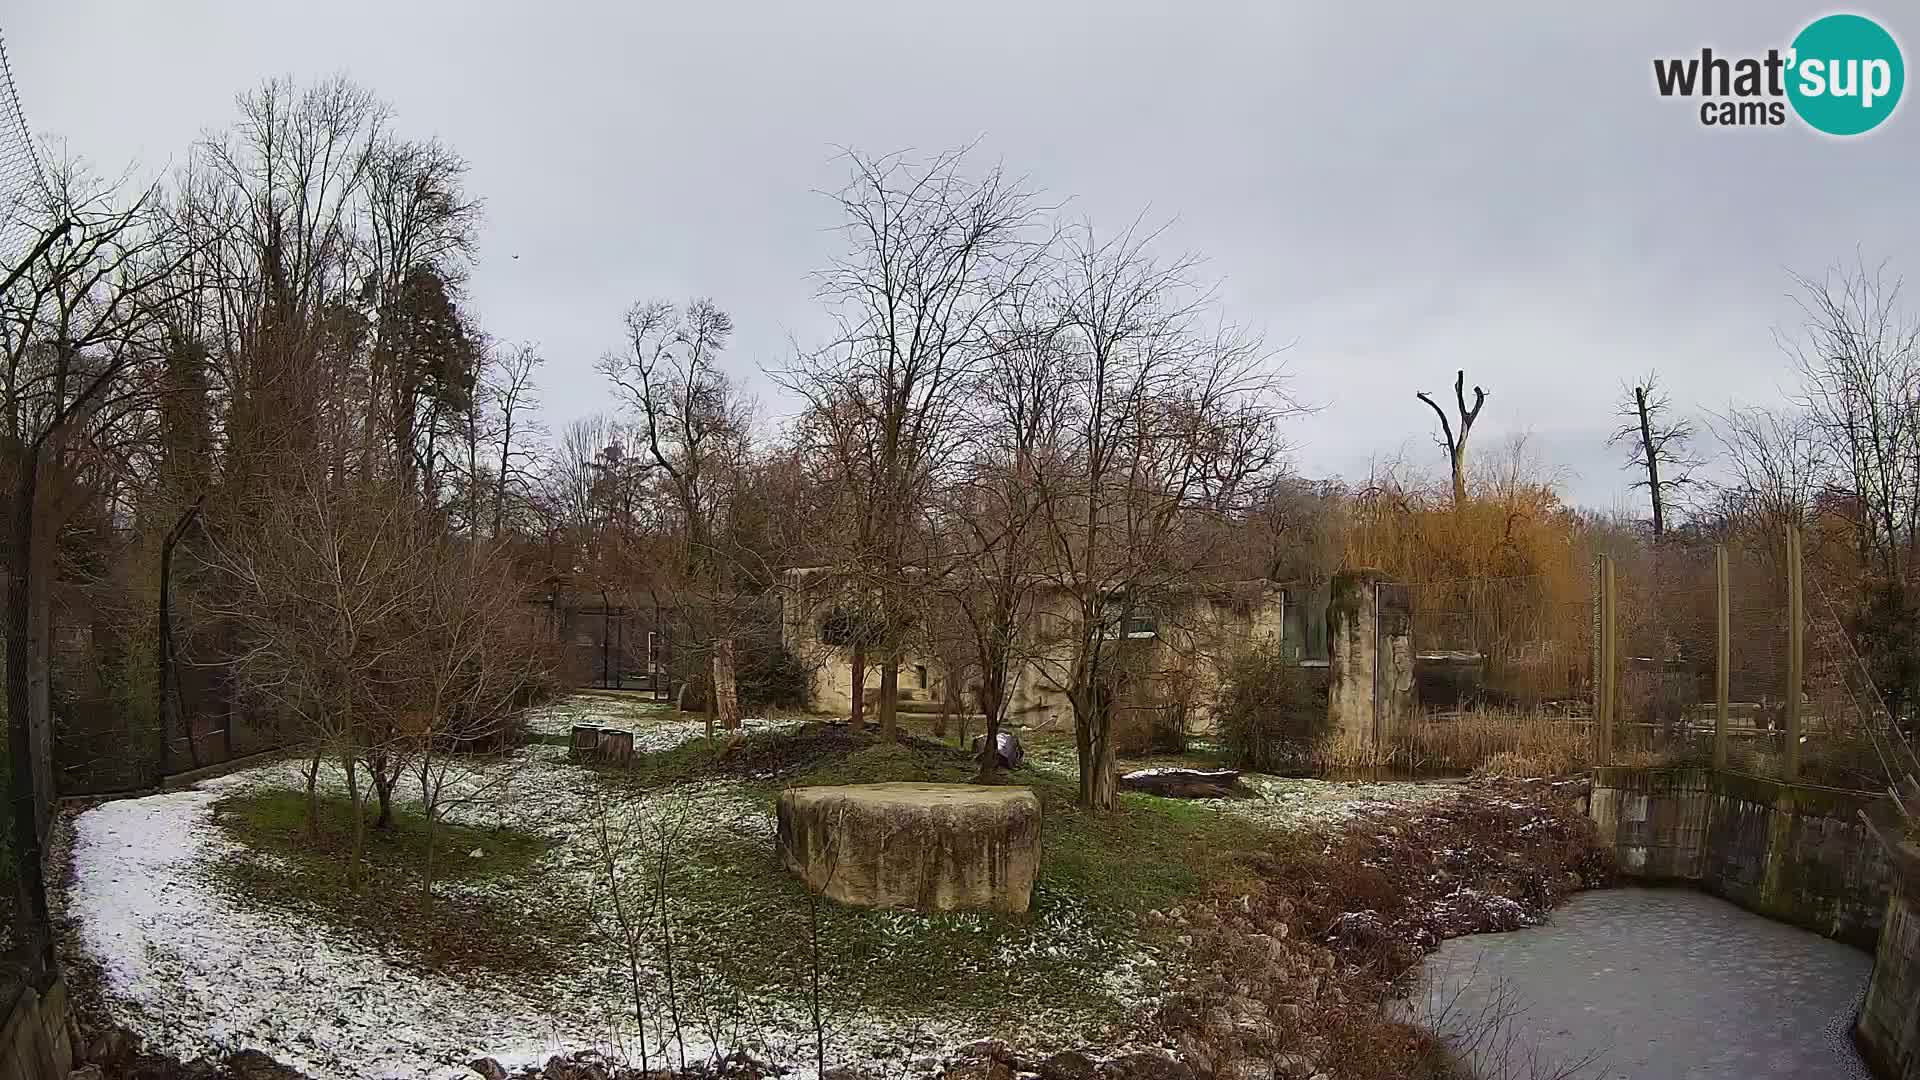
(1497, 742)
(772, 677)
(1272, 710)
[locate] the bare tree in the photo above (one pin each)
(1658, 445)
(77, 325)
(932, 252)
(1168, 422)
(514, 395)
(1455, 444)
(474, 663)
(990, 526)
(1858, 352)
(1777, 464)
(327, 588)
(694, 428)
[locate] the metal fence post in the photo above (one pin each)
(1723, 654)
(1606, 678)
(1796, 642)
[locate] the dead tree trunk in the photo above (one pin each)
(1652, 454)
(1456, 444)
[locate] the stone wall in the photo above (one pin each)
(1792, 852)
(1194, 632)
(1888, 1032)
(1370, 664)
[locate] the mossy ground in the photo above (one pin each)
(472, 917)
(743, 924)
(1099, 872)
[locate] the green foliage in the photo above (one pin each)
(1271, 709)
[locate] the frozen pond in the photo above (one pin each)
(1654, 983)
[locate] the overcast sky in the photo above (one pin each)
(1396, 190)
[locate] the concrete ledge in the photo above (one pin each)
(1888, 1029)
(1798, 853)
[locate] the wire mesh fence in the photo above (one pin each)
(20, 174)
(1708, 659)
(1754, 676)
(1519, 643)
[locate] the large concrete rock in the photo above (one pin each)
(935, 847)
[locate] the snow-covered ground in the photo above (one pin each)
(196, 971)
(655, 725)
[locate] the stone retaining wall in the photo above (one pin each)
(1888, 1032)
(1793, 852)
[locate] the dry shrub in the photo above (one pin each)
(1292, 966)
(1500, 742)
(1272, 711)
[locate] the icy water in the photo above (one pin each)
(1649, 984)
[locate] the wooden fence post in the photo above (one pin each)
(1606, 678)
(1723, 654)
(1796, 643)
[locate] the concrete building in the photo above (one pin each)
(1171, 651)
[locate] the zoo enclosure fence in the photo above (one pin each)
(1733, 654)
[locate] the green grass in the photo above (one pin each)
(1099, 872)
(743, 923)
(484, 911)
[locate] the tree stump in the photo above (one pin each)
(584, 742)
(932, 847)
(616, 746)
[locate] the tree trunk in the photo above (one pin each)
(606, 656)
(313, 796)
(357, 804)
(1653, 461)
(993, 692)
(726, 691)
(33, 921)
(426, 877)
(856, 718)
(383, 791)
(1093, 741)
(949, 704)
(40, 674)
(890, 698)
(1457, 461)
